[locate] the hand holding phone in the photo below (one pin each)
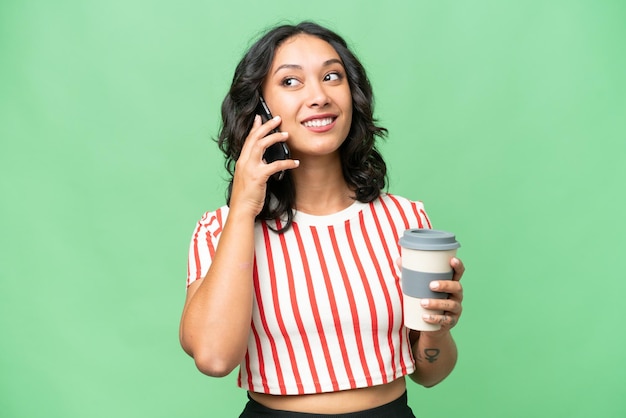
(277, 151)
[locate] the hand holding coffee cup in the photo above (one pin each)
(426, 256)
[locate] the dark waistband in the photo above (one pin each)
(398, 408)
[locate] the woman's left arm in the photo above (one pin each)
(435, 352)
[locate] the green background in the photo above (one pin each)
(505, 118)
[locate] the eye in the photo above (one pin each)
(290, 82)
(334, 76)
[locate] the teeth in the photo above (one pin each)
(316, 123)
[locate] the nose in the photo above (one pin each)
(317, 95)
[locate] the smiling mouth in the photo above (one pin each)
(318, 123)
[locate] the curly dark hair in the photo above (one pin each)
(363, 167)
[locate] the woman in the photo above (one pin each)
(296, 280)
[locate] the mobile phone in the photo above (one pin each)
(277, 151)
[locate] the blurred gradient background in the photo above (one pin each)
(505, 117)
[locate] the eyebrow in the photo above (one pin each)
(299, 67)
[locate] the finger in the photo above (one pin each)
(259, 132)
(446, 305)
(253, 153)
(446, 286)
(267, 127)
(245, 148)
(271, 139)
(459, 268)
(445, 320)
(282, 165)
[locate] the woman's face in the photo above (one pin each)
(307, 87)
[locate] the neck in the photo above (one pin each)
(321, 188)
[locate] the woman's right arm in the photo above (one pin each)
(216, 318)
(218, 309)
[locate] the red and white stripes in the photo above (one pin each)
(328, 308)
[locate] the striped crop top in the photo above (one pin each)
(327, 313)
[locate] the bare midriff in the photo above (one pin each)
(341, 402)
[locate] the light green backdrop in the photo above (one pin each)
(505, 118)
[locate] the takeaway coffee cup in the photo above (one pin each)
(426, 255)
